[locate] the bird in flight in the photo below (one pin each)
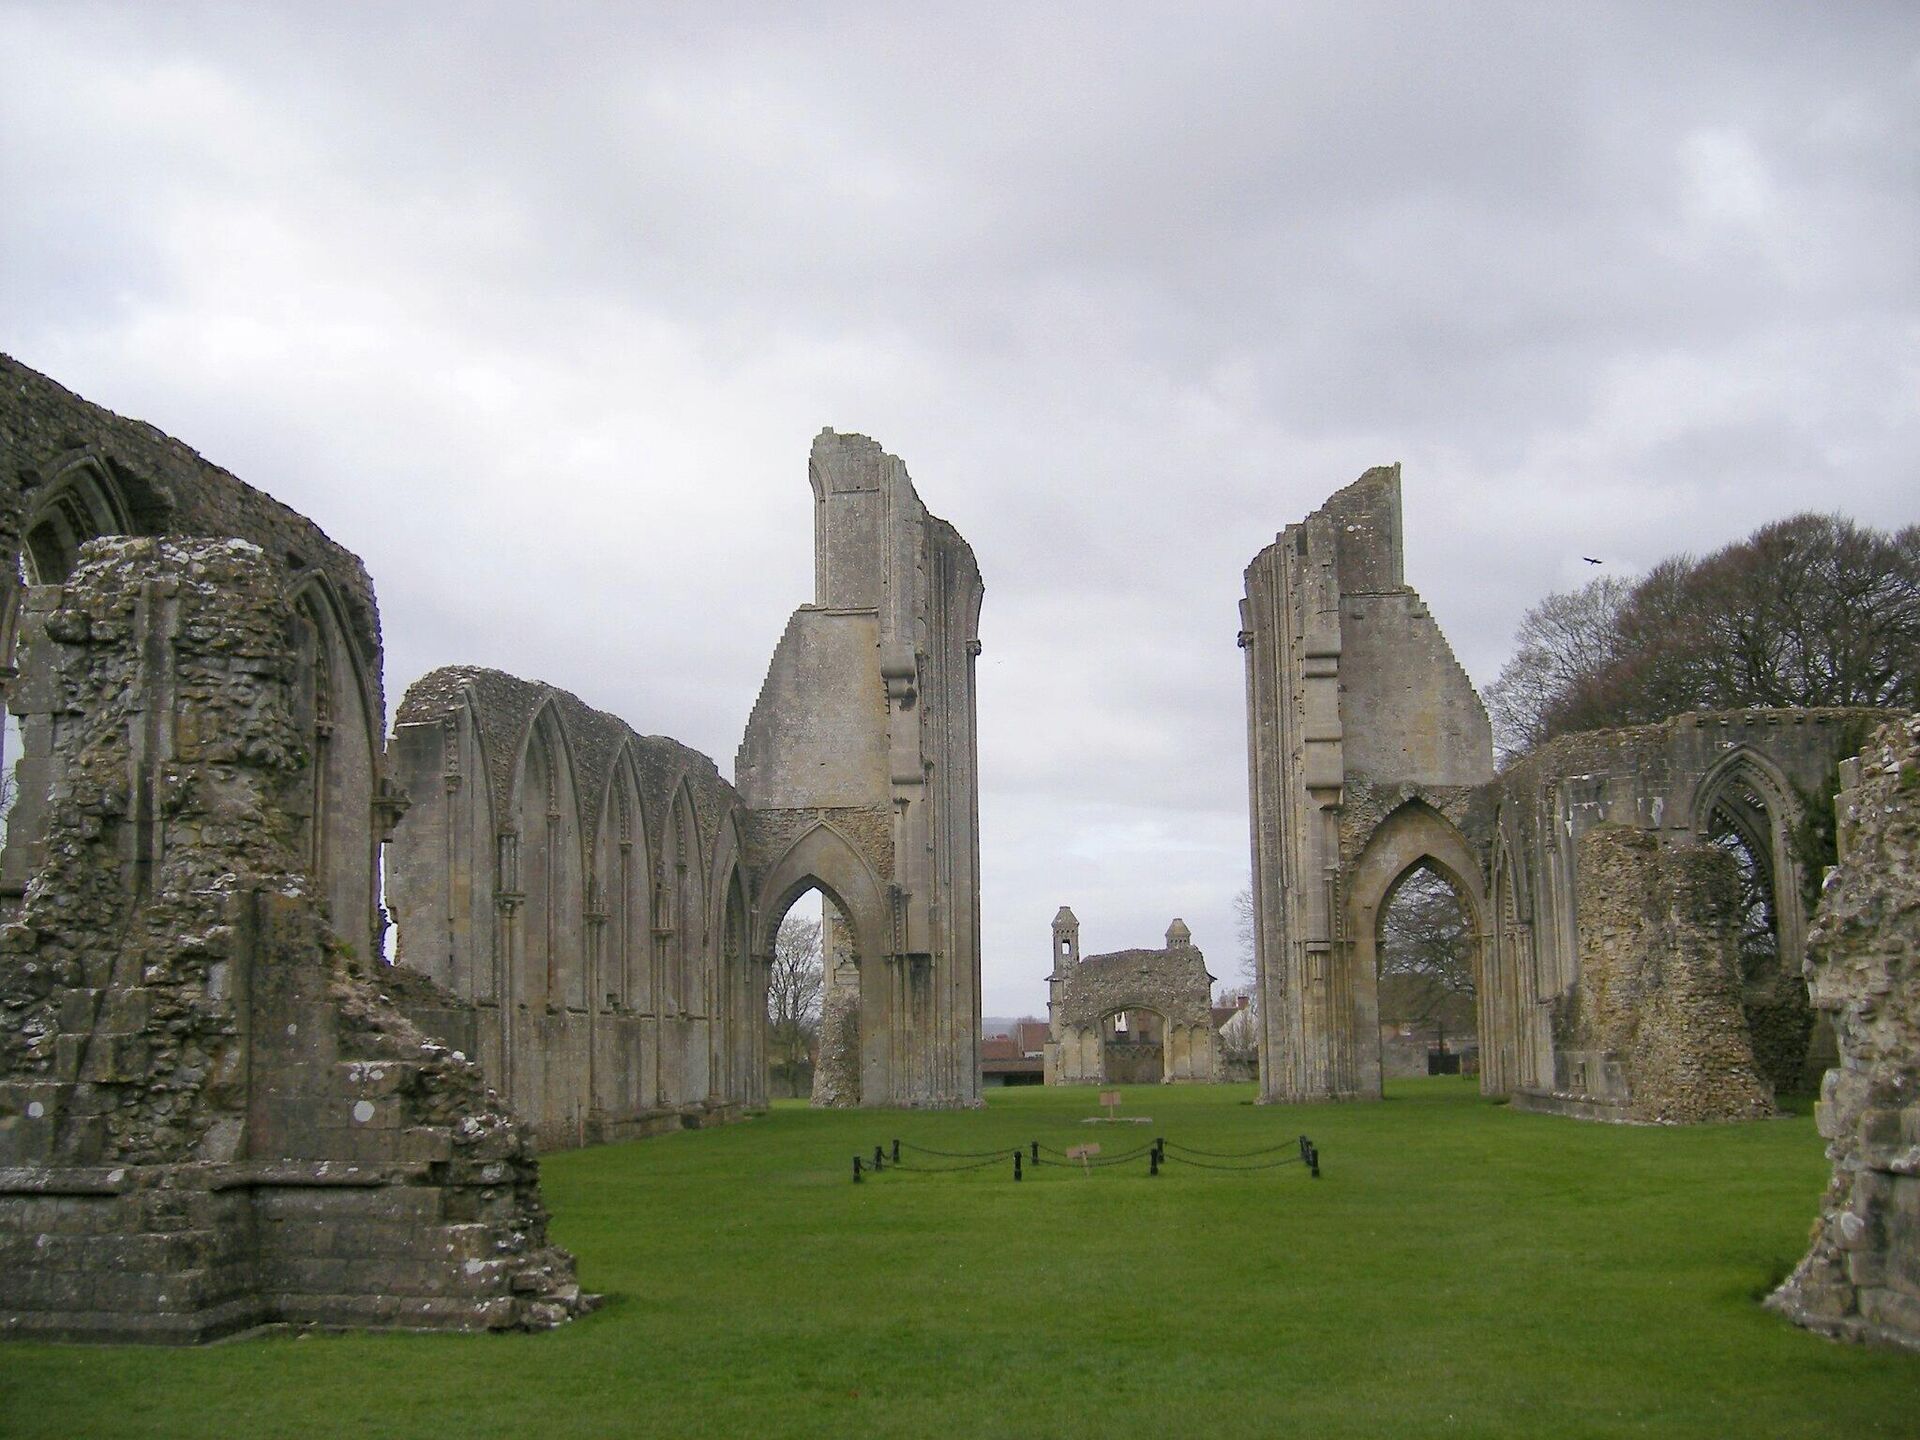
(1590, 560)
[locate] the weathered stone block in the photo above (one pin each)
(1861, 1278)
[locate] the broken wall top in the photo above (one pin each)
(1173, 983)
(504, 708)
(167, 488)
(869, 524)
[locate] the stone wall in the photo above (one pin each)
(1861, 1278)
(1653, 1032)
(211, 1117)
(1369, 755)
(859, 766)
(1761, 775)
(580, 889)
(70, 472)
(1165, 994)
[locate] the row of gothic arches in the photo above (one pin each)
(1517, 910)
(591, 897)
(588, 891)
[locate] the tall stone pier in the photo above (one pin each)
(859, 773)
(1365, 740)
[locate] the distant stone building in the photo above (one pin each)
(1134, 1016)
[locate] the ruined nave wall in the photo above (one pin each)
(859, 766)
(578, 888)
(211, 1117)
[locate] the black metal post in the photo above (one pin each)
(1313, 1160)
(1153, 1161)
(1016, 1165)
(856, 1169)
(879, 1158)
(1036, 1151)
(896, 1151)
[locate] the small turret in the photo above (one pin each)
(1178, 936)
(1066, 939)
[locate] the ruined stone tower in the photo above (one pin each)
(1361, 725)
(859, 771)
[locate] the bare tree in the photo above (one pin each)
(1563, 642)
(1244, 940)
(1812, 610)
(795, 987)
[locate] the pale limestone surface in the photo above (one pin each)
(585, 913)
(1369, 755)
(859, 771)
(211, 1117)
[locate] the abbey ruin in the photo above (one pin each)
(1611, 881)
(1131, 1016)
(1600, 875)
(218, 1107)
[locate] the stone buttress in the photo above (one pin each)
(1861, 1278)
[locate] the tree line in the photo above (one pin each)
(1809, 611)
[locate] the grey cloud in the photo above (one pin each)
(540, 318)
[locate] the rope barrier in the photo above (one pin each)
(1060, 1157)
(1262, 1165)
(952, 1154)
(1230, 1154)
(1159, 1151)
(999, 1157)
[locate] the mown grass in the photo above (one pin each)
(1458, 1270)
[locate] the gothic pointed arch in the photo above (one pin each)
(337, 711)
(620, 904)
(1413, 836)
(823, 857)
(540, 862)
(80, 502)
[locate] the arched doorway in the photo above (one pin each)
(851, 1056)
(1133, 1047)
(1424, 952)
(1416, 838)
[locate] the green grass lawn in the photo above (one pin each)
(1459, 1269)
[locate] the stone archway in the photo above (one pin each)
(1413, 836)
(1745, 807)
(857, 1047)
(1084, 996)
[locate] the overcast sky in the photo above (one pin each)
(538, 308)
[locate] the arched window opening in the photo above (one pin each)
(619, 916)
(1773, 996)
(1425, 950)
(82, 504)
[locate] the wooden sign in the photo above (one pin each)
(1110, 1099)
(1084, 1154)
